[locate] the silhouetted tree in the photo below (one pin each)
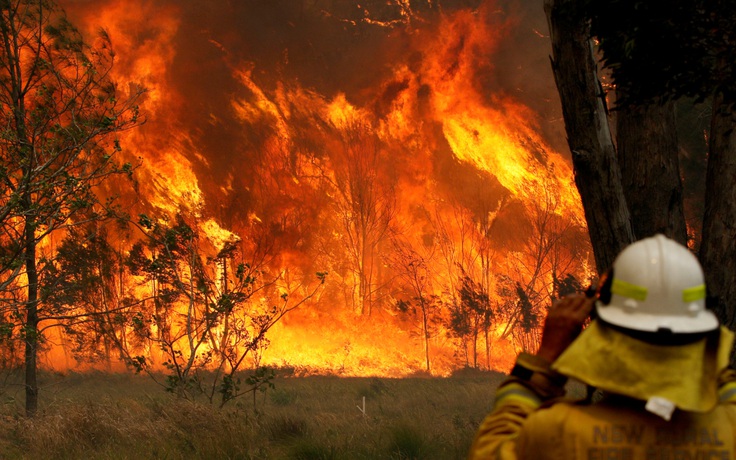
(366, 206)
(472, 317)
(80, 287)
(420, 302)
(207, 317)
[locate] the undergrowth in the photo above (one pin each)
(120, 416)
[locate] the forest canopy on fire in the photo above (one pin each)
(310, 176)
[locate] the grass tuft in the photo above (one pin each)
(287, 427)
(408, 443)
(282, 397)
(308, 449)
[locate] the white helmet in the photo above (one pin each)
(657, 284)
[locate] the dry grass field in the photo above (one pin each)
(121, 416)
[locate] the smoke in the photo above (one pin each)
(329, 47)
(239, 89)
(525, 72)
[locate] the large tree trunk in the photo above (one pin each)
(597, 174)
(718, 247)
(650, 170)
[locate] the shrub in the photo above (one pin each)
(283, 397)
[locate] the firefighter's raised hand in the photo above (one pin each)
(563, 324)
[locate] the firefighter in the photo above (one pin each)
(655, 354)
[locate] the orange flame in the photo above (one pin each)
(433, 119)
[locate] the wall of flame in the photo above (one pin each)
(257, 112)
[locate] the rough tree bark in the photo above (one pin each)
(647, 151)
(718, 247)
(648, 158)
(650, 170)
(597, 174)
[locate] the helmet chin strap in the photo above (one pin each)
(659, 406)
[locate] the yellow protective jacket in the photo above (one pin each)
(530, 421)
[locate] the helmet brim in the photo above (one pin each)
(702, 321)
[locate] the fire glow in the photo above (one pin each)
(460, 178)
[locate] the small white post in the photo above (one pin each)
(363, 408)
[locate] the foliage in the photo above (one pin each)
(568, 284)
(261, 380)
(422, 306)
(60, 113)
(83, 285)
(521, 314)
(472, 317)
(529, 318)
(205, 318)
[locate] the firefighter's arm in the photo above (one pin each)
(531, 382)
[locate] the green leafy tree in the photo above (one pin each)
(170, 262)
(60, 111)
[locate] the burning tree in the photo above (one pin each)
(472, 316)
(547, 262)
(59, 109)
(469, 245)
(422, 305)
(366, 206)
(210, 313)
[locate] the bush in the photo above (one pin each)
(283, 397)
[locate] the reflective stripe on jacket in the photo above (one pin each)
(523, 427)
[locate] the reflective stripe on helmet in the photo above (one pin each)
(629, 290)
(694, 293)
